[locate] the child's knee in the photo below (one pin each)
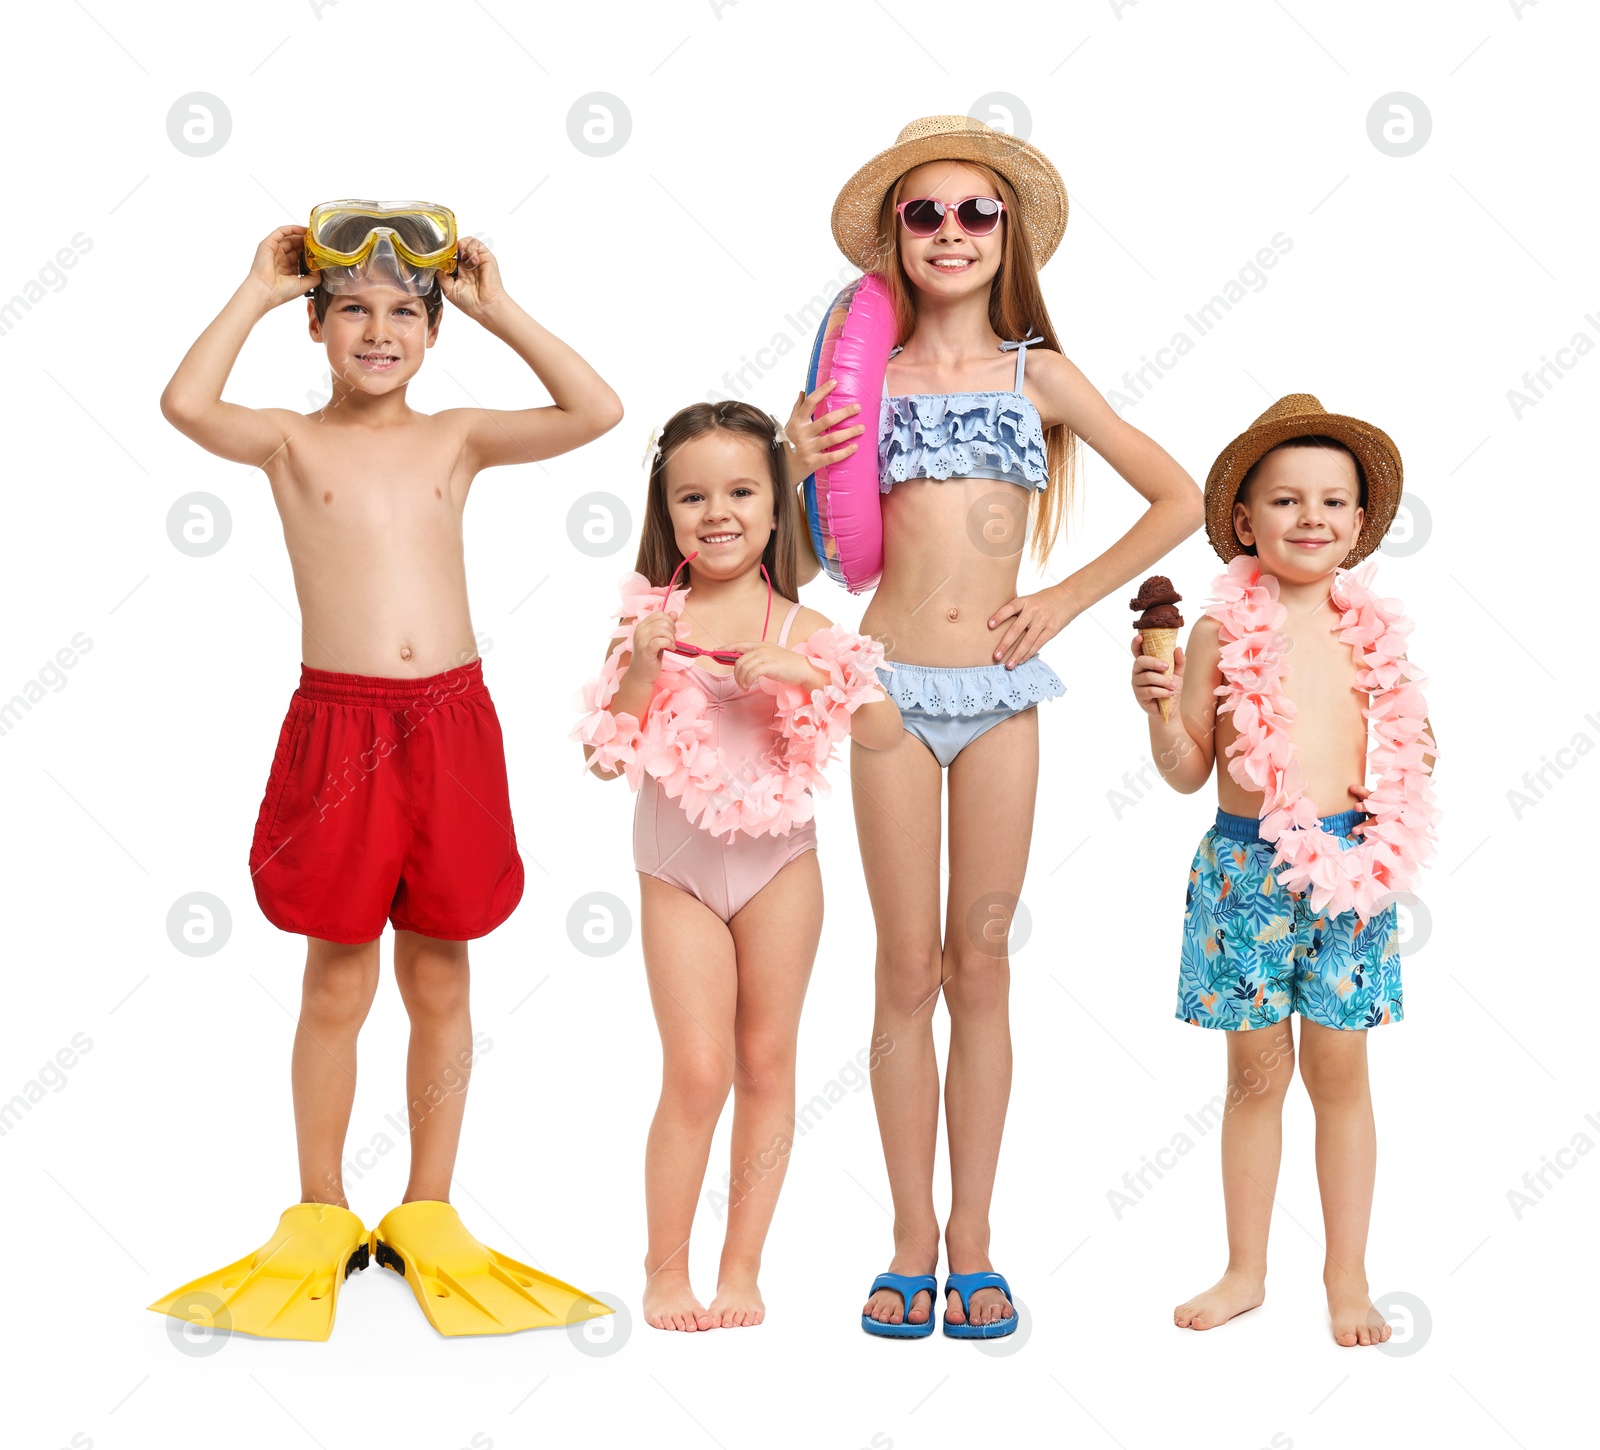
(976, 981)
(698, 1083)
(1260, 1067)
(433, 983)
(766, 1063)
(908, 978)
(339, 987)
(1334, 1077)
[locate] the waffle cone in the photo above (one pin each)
(1160, 644)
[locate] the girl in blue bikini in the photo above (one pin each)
(956, 218)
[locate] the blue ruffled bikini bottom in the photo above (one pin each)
(947, 707)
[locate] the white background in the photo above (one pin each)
(1416, 293)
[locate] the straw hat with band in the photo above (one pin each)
(1040, 190)
(1299, 415)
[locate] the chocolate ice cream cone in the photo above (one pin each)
(1158, 624)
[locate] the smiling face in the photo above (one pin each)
(719, 498)
(949, 264)
(375, 338)
(1301, 508)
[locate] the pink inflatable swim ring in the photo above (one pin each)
(842, 500)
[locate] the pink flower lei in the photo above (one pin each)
(1399, 838)
(768, 796)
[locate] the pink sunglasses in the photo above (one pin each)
(721, 656)
(977, 216)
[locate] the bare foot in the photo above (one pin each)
(887, 1307)
(738, 1304)
(1355, 1320)
(1234, 1293)
(669, 1302)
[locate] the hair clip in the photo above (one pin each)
(781, 437)
(654, 447)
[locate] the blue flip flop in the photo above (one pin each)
(907, 1286)
(966, 1285)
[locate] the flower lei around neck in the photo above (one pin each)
(673, 743)
(1399, 838)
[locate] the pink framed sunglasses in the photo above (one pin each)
(977, 216)
(721, 656)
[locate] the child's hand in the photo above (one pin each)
(276, 268)
(1030, 622)
(1153, 680)
(475, 286)
(809, 450)
(758, 661)
(1360, 792)
(653, 636)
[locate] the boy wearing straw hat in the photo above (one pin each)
(1289, 910)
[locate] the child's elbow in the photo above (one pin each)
(608, 413)
(806, 566)
(1184, 766)
(875, 728)
(600, 772)
(174, 409)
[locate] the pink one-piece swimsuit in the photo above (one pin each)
(722, 872)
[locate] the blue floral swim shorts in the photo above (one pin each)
(1254, 952)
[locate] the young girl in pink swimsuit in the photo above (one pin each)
(723, 721)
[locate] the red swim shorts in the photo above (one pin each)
(387, 801)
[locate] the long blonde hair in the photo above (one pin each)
(1016, 310)
(659, 554)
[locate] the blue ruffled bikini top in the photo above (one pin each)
(963, 435)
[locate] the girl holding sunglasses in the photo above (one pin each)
(956, 219)
(724, 733)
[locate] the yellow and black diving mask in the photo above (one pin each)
(400, 244)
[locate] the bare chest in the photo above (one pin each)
(1329, 730)
(1321, 680)
(385, 485)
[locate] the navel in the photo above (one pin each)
(952, 614)
(405, 651)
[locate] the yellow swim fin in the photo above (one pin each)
(466, 1288)
(286, 1289)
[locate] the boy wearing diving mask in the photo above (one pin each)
(387, 799)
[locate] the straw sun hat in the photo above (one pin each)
(1299, 415)
(1039, 187)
